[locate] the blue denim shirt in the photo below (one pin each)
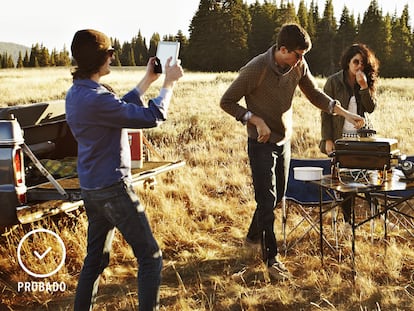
(98, 120)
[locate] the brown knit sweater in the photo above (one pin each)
(268, 94)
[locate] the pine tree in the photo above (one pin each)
(43, 56)
(131, 58)
(10, 62)
(2, 57)
(155, 38)
(117, 47)
(116, 62)
(20, 61)
(260, 37)
(26, 61)
(285, 14)
(53, 60)
(401, 60)
(34, 52)
(140, 50)
(170, 38)
(373, 23)
(180, 37)
(218, 39)
(202, 30)
(323, 53)
(237, 24)
(345, 36)
(313, 19)
(64, 58)
(386, 60)
(303, 15)
(124, 55)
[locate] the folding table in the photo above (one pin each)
(393, 183)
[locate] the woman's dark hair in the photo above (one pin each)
(294, 37)
(371, 63)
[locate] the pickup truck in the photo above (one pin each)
(38, 164)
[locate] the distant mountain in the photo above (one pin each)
(13, 49)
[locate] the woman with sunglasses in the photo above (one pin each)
(354, 86)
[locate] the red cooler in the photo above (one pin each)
(135, 143)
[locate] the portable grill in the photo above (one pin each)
(369, 153)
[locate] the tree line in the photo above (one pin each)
(225, 34)
(39, 56)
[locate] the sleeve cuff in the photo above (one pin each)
(166, 94)
(332, 105)
(138, 91)
(246, 117)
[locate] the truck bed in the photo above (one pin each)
(49, 153)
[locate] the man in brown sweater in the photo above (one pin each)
(268, 83)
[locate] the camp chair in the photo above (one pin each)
(303, 197)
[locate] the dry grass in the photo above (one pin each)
(200, 214)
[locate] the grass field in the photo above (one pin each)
(200, 213)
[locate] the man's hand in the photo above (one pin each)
(150, 74)
(355, 119)
(172, 73)
(263, 131)
(329, 146)
(149, 77)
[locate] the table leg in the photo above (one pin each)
(284, 221)
(385, 215)
(353, 235)
(320, 222)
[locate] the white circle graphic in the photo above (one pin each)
(39, 275)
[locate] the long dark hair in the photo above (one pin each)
(371, 63)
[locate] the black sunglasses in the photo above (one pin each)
(298, 55)
(356, 62)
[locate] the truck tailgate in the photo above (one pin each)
(152, 169)
(47, 201)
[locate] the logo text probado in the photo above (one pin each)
(50, 287)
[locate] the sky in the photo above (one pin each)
(53, 23)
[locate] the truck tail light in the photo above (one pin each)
(19, 178)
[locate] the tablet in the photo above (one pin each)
(167, 49)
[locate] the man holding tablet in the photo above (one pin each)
(98, 120)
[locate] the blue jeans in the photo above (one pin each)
(270, 170)
(118, 207)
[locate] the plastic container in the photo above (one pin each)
(307, 173)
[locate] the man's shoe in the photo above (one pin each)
(278, 271)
